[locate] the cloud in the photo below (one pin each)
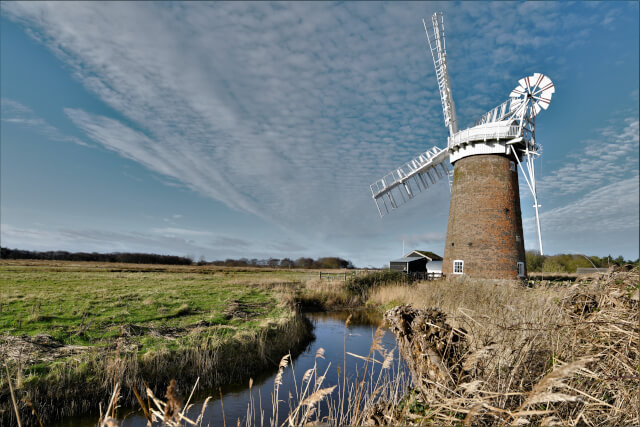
(172, 231)
(41, 238)
(289, 111)
(169, 240)
(427, 240)
(610, 208)
(15, 113)
(607, 158)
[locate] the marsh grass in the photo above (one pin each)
(554, 355)
(352, 397)
(326, 294)
(350, 293)
(363, 285)
(71, 388)
(63, 326)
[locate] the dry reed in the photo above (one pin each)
(555, 355)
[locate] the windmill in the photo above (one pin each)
(484, 231)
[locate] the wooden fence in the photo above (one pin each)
(341, 275)
(420, 275)
(416, 275)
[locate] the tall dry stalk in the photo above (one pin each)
(552, 355)
(13, 396)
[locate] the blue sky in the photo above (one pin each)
(254, 129)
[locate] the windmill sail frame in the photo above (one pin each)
(438, 49)
(398, 186)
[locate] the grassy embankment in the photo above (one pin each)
(69, 331)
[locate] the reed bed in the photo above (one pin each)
(503, 354)
(326, 295)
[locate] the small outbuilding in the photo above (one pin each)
(418, 262)
(409, 264)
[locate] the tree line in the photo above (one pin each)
(144, 258)
(320, 263)
(126, 257)
(569, 263)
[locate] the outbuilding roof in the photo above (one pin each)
(428, 254)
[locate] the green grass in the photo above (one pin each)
(87, 307)
(137, 322)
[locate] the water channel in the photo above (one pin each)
(330, 334)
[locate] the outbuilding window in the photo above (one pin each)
(521, 269)
(458, 266)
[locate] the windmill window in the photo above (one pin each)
(458, 266)
(521, 269)
(512, 166)
(518, 238)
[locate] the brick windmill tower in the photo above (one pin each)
(484, 233)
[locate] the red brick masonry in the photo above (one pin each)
(485, 221)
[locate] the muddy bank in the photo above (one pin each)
(74, 380)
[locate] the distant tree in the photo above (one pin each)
(551, 265)
(273, 262)
(304, 263)
(534, 261)
(128, 257)
(330, 263)
(144, 258)
(287, 263)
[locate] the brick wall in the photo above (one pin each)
(485, 221)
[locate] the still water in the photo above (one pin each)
(330, 334)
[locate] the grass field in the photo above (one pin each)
(87, 306)
(62, 323)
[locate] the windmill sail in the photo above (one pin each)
(438, 49)
(532, 94)
(403, 183)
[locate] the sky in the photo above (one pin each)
(230, 130)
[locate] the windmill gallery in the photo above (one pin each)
(484, 233)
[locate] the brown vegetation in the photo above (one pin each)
(498, 354)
